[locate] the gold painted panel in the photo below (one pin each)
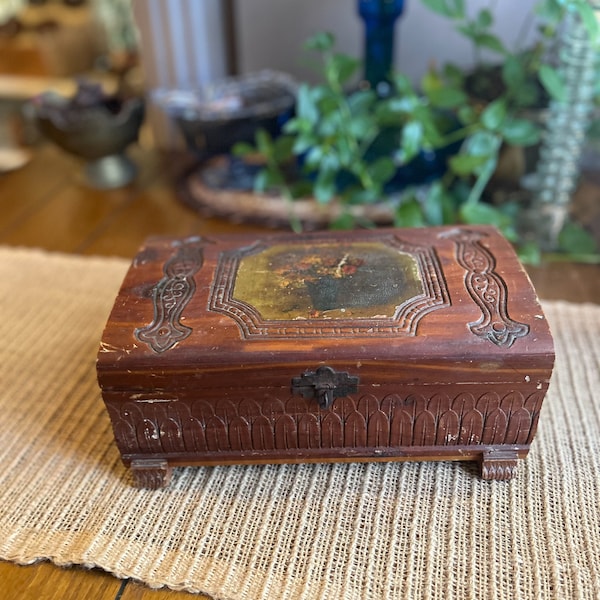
(359, 280)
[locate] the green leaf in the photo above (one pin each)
(469, 30)
(264, 142)
(489, 41)
(339, 68)
(283, 148)
(243, 149)
(485, 18)
(494, 114)
(346, 151)
(454, 75)
(464, 164)
(439, 206)
(574, 239)
(361, 126)
(410, 145)
(449, 206)
(303, 143)
(433, 134)
(483, 214)
(588, 18)
(553, 83)
(267, 179)
(431, 81)
(530, 253)
(325, 189)
(301, 189)
(382, 170)
(328, 102)
(358, 195)
(520, 132)
(482, 143)
(454, 9)
(329, 125)
(527, 94)
(321, 41)
(314, 156)
(457, 8)
(408, 214)
(345, 221)
(330, 160)
(513, 73)
(550, 10)
(306, 105)
(433, 206)
(402, 84)
(393, 110)
(361, 102)
(260, 181)
(298, 125)
(447, 97)
(466, 114)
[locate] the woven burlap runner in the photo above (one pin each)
(356, 531)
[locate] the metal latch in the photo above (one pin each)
(325, 384)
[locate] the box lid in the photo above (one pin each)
(441, 305)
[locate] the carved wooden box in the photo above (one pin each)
(386, 344)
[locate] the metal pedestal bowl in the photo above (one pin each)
(97, 132)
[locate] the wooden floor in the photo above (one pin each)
(47, 204)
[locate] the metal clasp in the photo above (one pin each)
(325, 384)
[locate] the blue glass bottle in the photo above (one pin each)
(379, 17)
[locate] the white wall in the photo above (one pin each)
(271, 32)
(182, 46)
(181, 41)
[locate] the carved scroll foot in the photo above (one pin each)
(499, 465)
(152, 474)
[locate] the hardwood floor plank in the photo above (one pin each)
(46, 581)
(157, 211)
(138, 591)
(51, 195)
(66, 219)
(22, 191)
(566, 281)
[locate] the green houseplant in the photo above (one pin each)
(350, 146)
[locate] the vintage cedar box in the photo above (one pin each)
(385, 344)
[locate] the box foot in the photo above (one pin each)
(152, 474)
(499, 465)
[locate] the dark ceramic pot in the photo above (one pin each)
(213, 119)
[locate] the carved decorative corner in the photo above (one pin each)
(171, 295)
(152, 474)
(487, 289)
(499, 465)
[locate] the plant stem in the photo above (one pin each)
(358, 149)
(486, 174)
(459, 134)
